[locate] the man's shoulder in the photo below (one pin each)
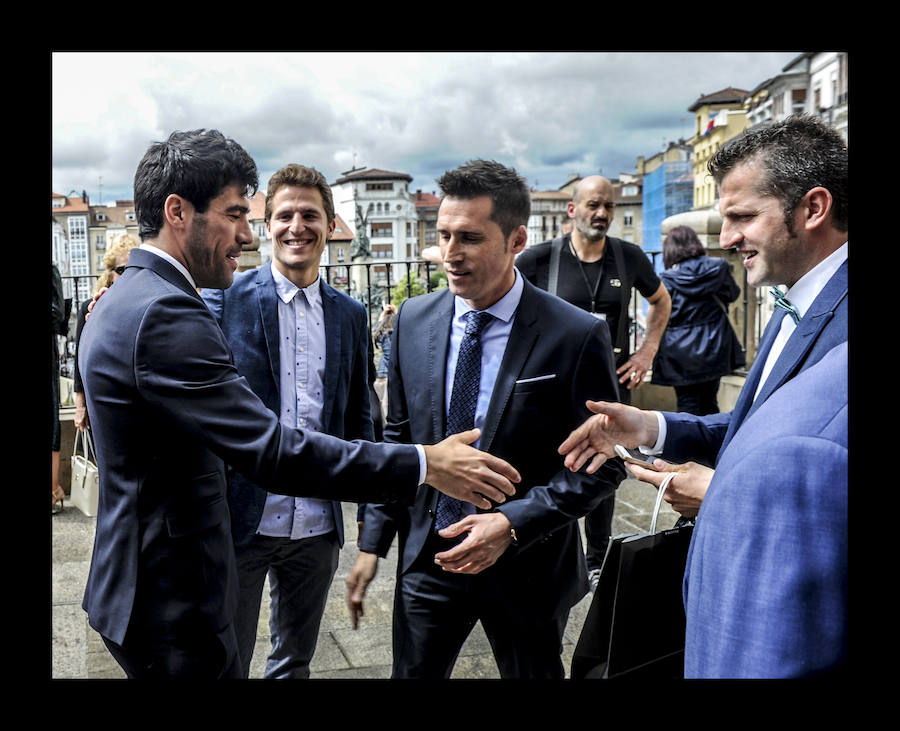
(536, 251)
(342, 299)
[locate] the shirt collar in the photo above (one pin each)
(172, 260)
(807, 288)
(503, 309)
(286, 289)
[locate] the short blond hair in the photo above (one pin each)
(120, 244)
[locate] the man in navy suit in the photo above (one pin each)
(303, 348)
(783, 196)
(169, 410)
(519, 568)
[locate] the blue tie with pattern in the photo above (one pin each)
(463, 399)
(785, 304)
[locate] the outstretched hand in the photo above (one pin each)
(613, 423)
(466, 473)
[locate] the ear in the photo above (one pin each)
(518, 238)
(176, 210)
(816, 207)
(331, 226)
(570, 207)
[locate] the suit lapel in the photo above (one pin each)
(333, 330)
(267, 300)
(794, 353)
(437, 328)
(522, 337)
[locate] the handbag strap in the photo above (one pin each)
(86, 442)
(659, 496)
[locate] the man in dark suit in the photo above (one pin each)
(169, 409)
(303, 348)
(519, 568)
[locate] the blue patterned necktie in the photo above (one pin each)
(463, 399)
(785, 304)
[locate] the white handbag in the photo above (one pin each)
(85, 491)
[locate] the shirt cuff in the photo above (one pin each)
(660, 439)
(423, 465)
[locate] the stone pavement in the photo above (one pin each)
(78, 652)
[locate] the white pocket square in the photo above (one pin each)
(536, 378)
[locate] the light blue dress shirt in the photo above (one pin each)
(493, 345)
(301, 333)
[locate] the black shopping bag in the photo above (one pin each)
(635, 625)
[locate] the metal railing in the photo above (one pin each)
(383, 278)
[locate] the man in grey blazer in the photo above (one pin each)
(519, 568)
(303, 348)
(169, 410)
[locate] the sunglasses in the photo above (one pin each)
(119, 270)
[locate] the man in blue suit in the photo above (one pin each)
(520, 568)
(303, 348)
(765, 588)
(169, 410)
(783, 196)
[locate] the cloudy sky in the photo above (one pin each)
(546, 114)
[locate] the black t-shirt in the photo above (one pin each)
(592, 286)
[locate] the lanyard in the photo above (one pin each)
(591, 290)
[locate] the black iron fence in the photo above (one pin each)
(374, 283)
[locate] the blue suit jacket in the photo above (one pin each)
(526, 420)
(765, 587)
(702, 438)
(247, 312)
(168, 409)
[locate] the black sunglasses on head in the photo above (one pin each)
(119, 270)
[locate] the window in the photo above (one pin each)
(628, 218)
(379, 186)
(382, 230)
(100, 241)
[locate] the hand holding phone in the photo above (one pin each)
(634, 456)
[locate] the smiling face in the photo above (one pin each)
(754, 225)
(299, 228)
(477, 257)
(215, 239)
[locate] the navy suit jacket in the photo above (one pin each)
(528, 417)
(765, 587)
(168, 409)
(247, 312)
(822, 327)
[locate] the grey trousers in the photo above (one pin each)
(300, 575)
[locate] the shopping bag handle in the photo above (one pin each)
(659, 496)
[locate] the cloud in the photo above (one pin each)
(548, 114)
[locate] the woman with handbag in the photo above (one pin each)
(699, 346)
(114, 262)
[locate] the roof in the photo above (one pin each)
(426, 200)
(725, 96)
(370, 174)
(342, 232)
(258, 206)
(73, 205)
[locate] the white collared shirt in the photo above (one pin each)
(172, 260)
(801, 295)
(301, 348)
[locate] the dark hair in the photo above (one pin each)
(302, 177)
(197, 165)
(797, 154)
(681, 243)
(508, 190)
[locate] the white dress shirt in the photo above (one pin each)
(301, 348)
(801, 295)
